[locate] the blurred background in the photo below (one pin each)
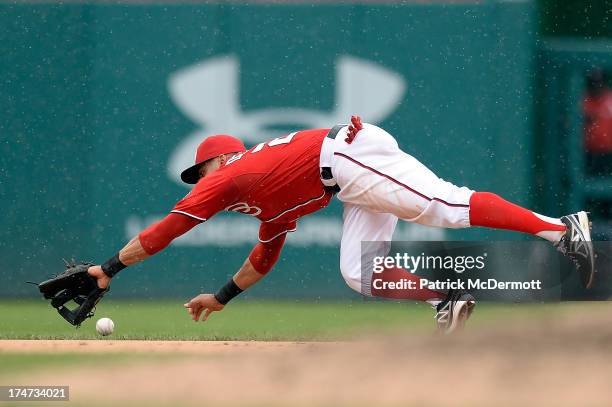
(102, 104)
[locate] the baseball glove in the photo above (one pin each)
(77, 285)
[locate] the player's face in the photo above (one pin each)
(209, 167)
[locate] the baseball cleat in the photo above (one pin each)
(454, 311)
(577, 245)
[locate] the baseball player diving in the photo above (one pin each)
(284, 179)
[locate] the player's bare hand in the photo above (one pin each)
(203, 303)
(103, 279)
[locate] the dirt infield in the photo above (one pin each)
(561, 362)
(190, 347)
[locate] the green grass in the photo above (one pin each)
(256, 320)
(241, 320)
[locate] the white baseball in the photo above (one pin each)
(105, 326)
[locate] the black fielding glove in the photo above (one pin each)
(77, 285)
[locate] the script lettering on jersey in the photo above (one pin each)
(243, 207)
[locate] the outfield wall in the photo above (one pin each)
(103, 104)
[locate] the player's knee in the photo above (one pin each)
(449, 208)
(351, 275)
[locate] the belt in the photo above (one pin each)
(327, 177)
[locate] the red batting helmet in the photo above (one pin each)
(211, 147)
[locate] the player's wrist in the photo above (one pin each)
(112, 266)
(227, 292)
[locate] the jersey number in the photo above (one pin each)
(276, 142)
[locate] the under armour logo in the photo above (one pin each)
(245, 208)
(207, 93)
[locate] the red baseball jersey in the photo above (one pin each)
(277, 181)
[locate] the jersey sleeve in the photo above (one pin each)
(270, 231)
(159, 235)
(265, 255)
(211, 195)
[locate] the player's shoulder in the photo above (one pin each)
(265, 155)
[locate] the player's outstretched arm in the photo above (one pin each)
(255, 267)
(209, 303)
(150, 241)
(132, 253)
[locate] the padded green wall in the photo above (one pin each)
(88, 122)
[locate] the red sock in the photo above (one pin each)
(396, 275)
(490, 210)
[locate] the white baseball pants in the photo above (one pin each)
(381, 184)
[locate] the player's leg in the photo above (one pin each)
(373, 172)
(490, 210)
(571, 234)
(360, 225)
(356, 264)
